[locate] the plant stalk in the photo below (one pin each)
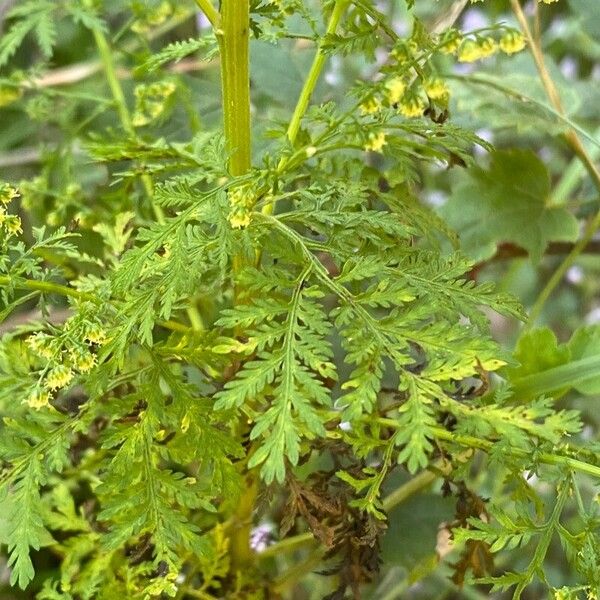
(314, 74)
(235, 82)
(233, 36)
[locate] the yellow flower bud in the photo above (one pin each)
(511, 42)
(241, 201)
(450, 42)
(370, 106)
(405, 51)
(40, 344)
(83, 360)
(7, 193)
(58, 377)
(488, 46)
(12, 224)
(38, 399)
(239, 218)
(395, 89)
(412, 107)
(376, 142)
(469, 51)
(436, 89)
(96, 335)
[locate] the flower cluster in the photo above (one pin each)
(151, 101)
(241, 202)
(410, 91)
(512, 41)
(64, 357)
(151, 17)
(375, 142)
(477, 48)
(10, 225)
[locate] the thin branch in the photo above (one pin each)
(576, 144)
(508, 251)
(49, 287)
(552, 92)
(210, 12)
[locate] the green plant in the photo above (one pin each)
(260, 319)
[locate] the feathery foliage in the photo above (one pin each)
(230, 332)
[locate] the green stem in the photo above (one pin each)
(210, 11)
(411, 487)
(542, 548)
(314, 74)
(592, 226)
(288, 545)
(469, 441)
(233, 36)
(235, 82)
(49, 287)
(288, 579)
(46, 287)
(112, 79)
(571, 176)
(576, 144)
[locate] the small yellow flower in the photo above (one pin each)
(547, 1)
(395, 89)
(151, 101)
(450, 42)
(153, 18)
(370, 106)
(12, 224)
(83, 361)
(405, 51)
(39, 344)
(412, 107)
(96, 335)
(469, 51)
(511, 42)
(436, 89)
(310, 151)
(488, 46)
(7, 193)
(38, 399)
(376, 142)
(241, 201)
(239, 218)
(53, 218)
(59, 377)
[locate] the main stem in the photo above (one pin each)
(235, 82)
(232, 33)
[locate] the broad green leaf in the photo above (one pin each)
(538, 350)
(551, 368)
(510, 199)
(584, 345)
